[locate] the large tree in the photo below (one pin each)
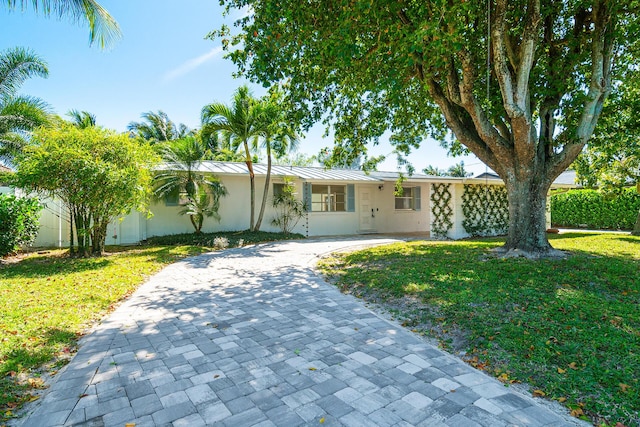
(520, 83)
(19, 114)
(102, 27)
(97, 173)
(241, 122)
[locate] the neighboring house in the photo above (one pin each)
(339, 202)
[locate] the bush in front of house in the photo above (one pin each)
(233, 238)
(18, 222)
(594, 209)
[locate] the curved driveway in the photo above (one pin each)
(252, 336)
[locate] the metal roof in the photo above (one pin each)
(301, 172)
(308, 173)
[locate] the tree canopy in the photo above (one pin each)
(521, 84)
(611, 160)
(97, 173)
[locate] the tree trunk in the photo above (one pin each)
(636, 228)
(98, 238)
(527, 234)
(71, 235)
(266, 190)
(252, 182)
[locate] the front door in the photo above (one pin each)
(367, 209)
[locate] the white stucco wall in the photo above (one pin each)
(390, 220)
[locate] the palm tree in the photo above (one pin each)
(278, 137)
(158, 127)
(180, 175)
(19, 114)
(82, 119)
(458, 170)
(102, 27)
(242, 123)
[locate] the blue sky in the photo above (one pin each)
(162, 62)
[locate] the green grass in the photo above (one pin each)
(569, 328)
(48, 300)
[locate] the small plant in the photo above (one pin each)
(221, 243)
(290, 209)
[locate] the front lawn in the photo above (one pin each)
(48, 300)
(569, 328)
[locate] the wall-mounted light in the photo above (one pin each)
(380, 187)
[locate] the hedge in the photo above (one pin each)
(19, 222)
(593, 209)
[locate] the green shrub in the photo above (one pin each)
(593, 209)
(19, 222)
(234, 238)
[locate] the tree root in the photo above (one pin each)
(551, 253)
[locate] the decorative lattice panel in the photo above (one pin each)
(441, 210)
(485, 209)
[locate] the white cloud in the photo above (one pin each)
(192, 64)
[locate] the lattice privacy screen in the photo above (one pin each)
(441, 210)
(485, 209)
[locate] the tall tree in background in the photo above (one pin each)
(157, 127)
(82, 119)
(278, 138)
(102, 27)
(458, 170)
(521, 84)
(19, 114)
(242, 123)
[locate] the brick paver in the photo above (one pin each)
(252, 336)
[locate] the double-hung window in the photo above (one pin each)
(328, 198)
(409, 199)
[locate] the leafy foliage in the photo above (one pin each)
(19, 114)
(97, 173)
(485, 209)
(441, 210)
(290, 209)
(208, 239)
(522, 90)
(18, 222)
(157, 127)
(242, 124)
(180, 175)
(102, 27)
(567, 327)
(594, 209)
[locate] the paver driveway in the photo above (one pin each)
(251, 336)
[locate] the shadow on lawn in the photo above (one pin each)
(49, 266)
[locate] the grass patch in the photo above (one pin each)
(48, 300)
(569, 328)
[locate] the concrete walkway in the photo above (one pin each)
(252, 336)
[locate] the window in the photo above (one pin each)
(278, 189)
(328, 198)
(409, 199)
(176, 198)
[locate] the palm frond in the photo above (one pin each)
(16, 66)
(102, 27)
